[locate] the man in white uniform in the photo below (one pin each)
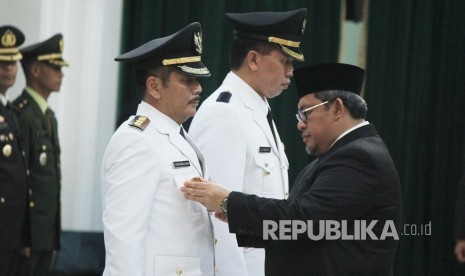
(149, 227)
(234, 127)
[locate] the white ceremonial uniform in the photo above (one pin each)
(237, 141)
(149, 227)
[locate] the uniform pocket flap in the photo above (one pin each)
(263, 162)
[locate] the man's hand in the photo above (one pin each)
(207, 193)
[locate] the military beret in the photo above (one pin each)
(11, 37)
(285, 29)
(50, 51)
(330, 76)
(181, 50)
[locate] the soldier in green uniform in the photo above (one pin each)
(13, 172)
(42, 63)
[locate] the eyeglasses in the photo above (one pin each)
(301, 115)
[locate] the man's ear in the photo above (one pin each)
(153, 85)
(252, 60)
(339, 109)
(35, 69)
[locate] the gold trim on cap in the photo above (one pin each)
(292, 53)
(172, 61)
(197, 71)
(60, 63)
(16, 57)
(278, 40)
(8, 50)
(49, 56)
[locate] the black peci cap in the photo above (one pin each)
(11, 38)
(49, 51)
(181, 50)
(285, 29)
(330, 76)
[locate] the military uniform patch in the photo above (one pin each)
(140, 122)
(224, 97)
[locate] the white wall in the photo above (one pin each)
(86, 105)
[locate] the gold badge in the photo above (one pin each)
(2, 119)
(7, 149)
(8, 39)
(61, 45)
(43, 159)
(196, 179)
(304, 24)
(10, 135)
(198, 42)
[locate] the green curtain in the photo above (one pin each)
(415, 90)
(149, 19)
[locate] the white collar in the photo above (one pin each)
(349, 130)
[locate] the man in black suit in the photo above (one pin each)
(344, 210)
(13, 178)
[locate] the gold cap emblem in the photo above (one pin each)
(198, 42)
(8, 39)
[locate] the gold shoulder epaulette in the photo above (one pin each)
(140, 122)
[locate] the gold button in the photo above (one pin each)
(266, 164)
(216, 241)
(30, 192)
(7, 149)
(178, 271)
(44, 147)
(24, 153)
(266, 173)
(31, 204)
(28, 172)
(2, 200)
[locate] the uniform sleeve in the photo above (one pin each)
(217, 132)
(129, 181)
(347, 187)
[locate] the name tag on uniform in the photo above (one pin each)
(181, 164)
(264, 149)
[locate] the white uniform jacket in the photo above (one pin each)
(236, 139)
(149, 227)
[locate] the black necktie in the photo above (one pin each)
(270, 122)
(48, 118)
(181, 131)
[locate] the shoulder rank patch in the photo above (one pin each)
(224, 97)
(22, 104)
(140, 122)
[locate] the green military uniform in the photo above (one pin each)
(42, 150)
(39, 138)
(13, 170)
